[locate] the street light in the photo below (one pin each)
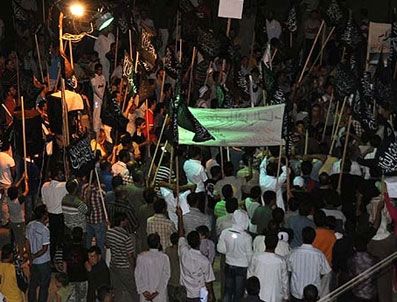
(77, 9)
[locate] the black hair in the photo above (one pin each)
(159, 206)
(271, 169)
(12, 192)
(6, 251)
(139, 121)
(360, 242)
(320, 219)
(271, 241)
(104, 164)
(98, 65)
(305, 208)
(293, 204)
(253, 286)
(231, 205)
(306, 167)
(194, 152)
(103, 292)
(119, 217)
(117, 181)
(94, 249)
(310, 293)
(203, 230)
(278, 215)
(193, 238)
(192, 199)
(227, 191)
(149, 195)
(269, 196)
(324, 179)
(216, 171)
(330, 221)
(124, 155)
(174, 238)
(255, 192)
(40, 211)
(308, 235)
(228, 168)
(153, 241)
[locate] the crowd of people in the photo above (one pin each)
(155, 221)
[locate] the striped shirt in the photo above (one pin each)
(121, 245)
(122, 207)
(306, 264)
(163, 226)
(74, 211)
(194, 219)
(93, 201)
(163, 174)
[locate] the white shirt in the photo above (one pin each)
(273, 29)
(336, 213)
(271, 270)
(270, 183)
(6, 163)
(171, 201)
(195, 174)
(306, 264)
(382, 232)
(354, 170)
(237, 246)
(223, 223)
(52, 193)
(196, 269)
(282, 249)
(251, 206)
(152, 273)
(98, 83)
(120, 168)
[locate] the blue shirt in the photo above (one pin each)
(38, 235)
(297, 224)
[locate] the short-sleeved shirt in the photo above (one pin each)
(38, 235)
(220, 209)
(163, 226)
(120, 244)
(16, 209)
(6, 163)
(196, 269)
(8, 285)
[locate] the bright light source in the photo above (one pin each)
(77, 9)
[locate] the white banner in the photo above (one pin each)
(378, 43)
(231, 9)
(240, 127)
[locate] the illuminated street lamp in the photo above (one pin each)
(77, 9)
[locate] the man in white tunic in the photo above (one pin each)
(152, 272)
(271, 270)
(98, 84)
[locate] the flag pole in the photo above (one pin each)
(322, 48)
(342, 164)
(191, 75)
(39, 58)
(24, 135)
(327, 117)
(337, 126)
(311, 51)
(153, 182)
(117, 48)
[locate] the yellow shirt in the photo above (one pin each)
(8, 283)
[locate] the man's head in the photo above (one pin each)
(193, 238)
(159, 206)
(231, 205)
(98, 69)
(7, 253)
(269, 198)
(41, 213)
(105, 166)
(72, 186)
(195, 153)
(12, 192)
(308, 235)
(310, 293)
(324, 179)
(278, 215)
(320, 219)
(255, 192)
(192, 200)
(124, 156)
(117, 181)
(271, 242)
(305, 208)
(174, 238)
(271, 169)
(227, 191)
(94, 255)
(228, 168)
(149, 195)
(12, 91)
(140, 123)
(306, 168)
(360, 243)
(153, 241)
(105, 294)
(253, 286)
(120, 220)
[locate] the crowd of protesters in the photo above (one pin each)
(280, 228)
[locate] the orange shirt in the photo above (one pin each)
(324, 241)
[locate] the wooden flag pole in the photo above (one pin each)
(191, 75)
(71, 54)
(153, 182)
(130, 42)
(147, 128)
(208, 73)
(306, 141)
(327, 117)
(171, 164)
(105, 212)
(39, 58)
(162, 83)
(24, 135)
(136, 62)
(290, 39)
(117, 48)
(322, 48)
(288, 181)
(279, 163)
(229, 23)
(311, 51)
(157, 146)
(337, 127)
(222, 160)
(335, 119)
(342, 164)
